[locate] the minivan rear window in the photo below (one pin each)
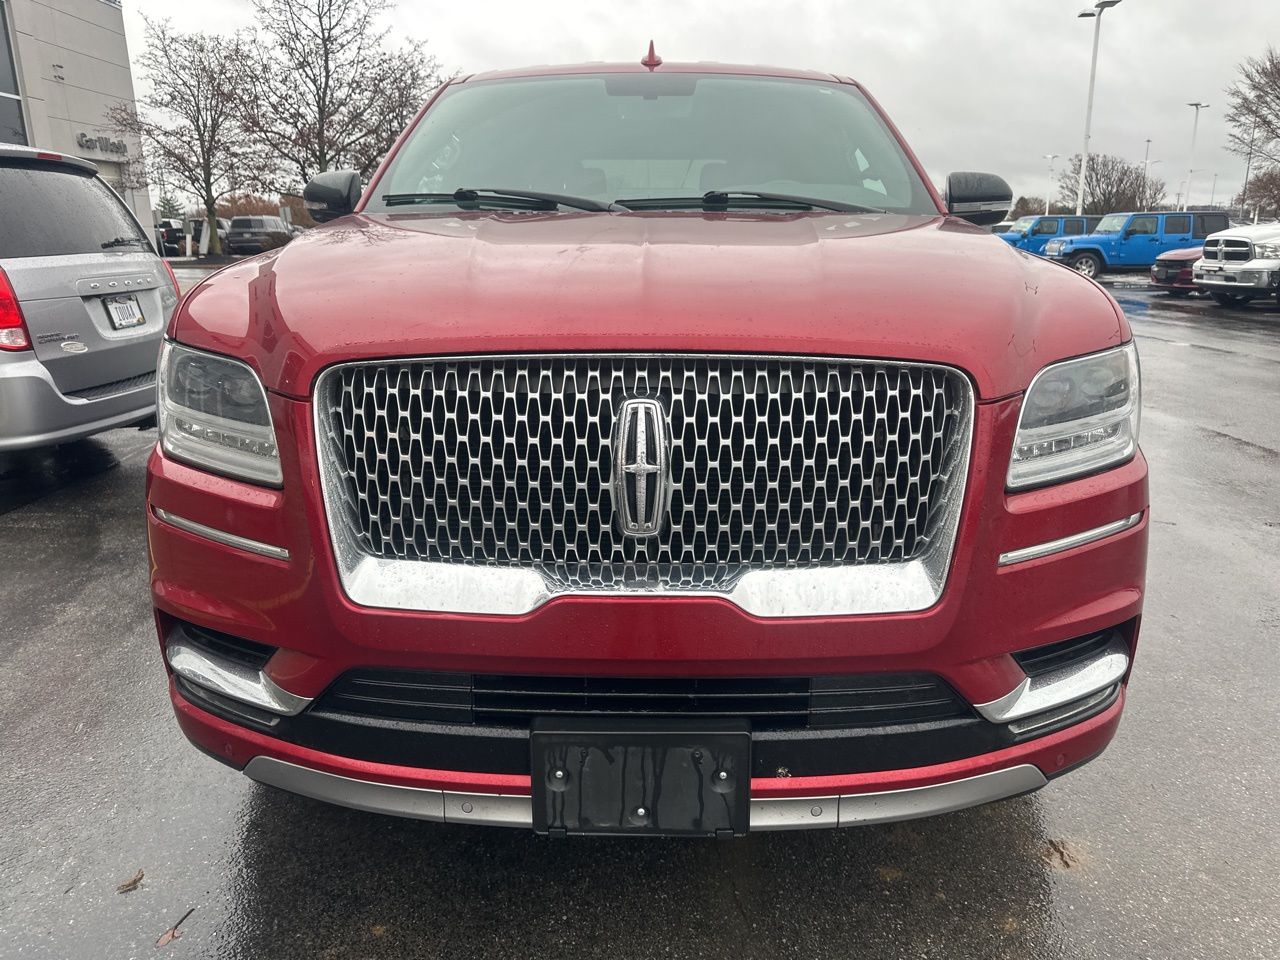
(47, 210)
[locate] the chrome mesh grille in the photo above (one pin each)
(775, 462)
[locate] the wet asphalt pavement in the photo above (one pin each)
(1166, 847)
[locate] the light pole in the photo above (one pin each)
(1096, 11)
(1146, 180)
(1050, 157)
(1195, 127)
(1213, 194)
(1146, 166)
(1248, 171)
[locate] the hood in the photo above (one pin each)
(1188, 254)
(875, 286)
(1256, 232)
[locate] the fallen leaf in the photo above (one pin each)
(131, 884)
(173, 933)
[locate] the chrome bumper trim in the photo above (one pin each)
(783, 813)
(1060, 687)
(514, 591)
(233, 680)
(1262, 282)
(222, 536)
(1066, 543)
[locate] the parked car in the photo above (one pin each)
(257, 234)
(1133, 241)
(1033, 233)
(1172, 271)
(169, 237)
(1241, 264)
(84, 301)
(648, 494)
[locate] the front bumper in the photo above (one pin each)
(1254, 277)
(276, 583)
(776, 803)
(1181, 279)
(35, 413)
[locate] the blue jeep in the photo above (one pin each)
(1032, 233)
(1132, 241)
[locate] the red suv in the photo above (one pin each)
(649, 449)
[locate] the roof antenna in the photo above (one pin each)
(651, 59)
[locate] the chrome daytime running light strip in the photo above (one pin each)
(1067, 543)
(222, 536)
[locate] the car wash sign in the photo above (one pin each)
(105, 144)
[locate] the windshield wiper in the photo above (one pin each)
(723, 199)
(124, 242)
(520, 199)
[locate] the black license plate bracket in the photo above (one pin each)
(687, 778)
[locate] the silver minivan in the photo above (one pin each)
(84, 302)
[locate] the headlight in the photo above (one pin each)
(213, 414)
(1078, 417)
(1266, 251)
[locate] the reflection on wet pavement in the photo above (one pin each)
(28, 475)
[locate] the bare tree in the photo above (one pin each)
(188, 123)
(1254, 108)
(1262, 192)
(1111, 184)
(1027, 207)
(326, 88)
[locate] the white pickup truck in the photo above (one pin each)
(1240, 264)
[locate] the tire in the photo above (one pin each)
(1229, 299)
(1087, 265)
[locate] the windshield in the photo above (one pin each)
(1022, 224)
(48, 210)
(1112, 223)
(624, 136)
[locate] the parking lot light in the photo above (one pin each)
(1191, 172)
(1096, 11)
(1049, 193)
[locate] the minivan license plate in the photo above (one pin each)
(124, 312)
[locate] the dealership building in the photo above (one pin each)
(63, 65)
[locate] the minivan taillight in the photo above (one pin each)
(172, 277)
(13, 328)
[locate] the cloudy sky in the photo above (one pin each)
(973, 84)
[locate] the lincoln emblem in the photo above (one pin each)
(641, 477)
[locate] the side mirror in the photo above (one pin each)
(332, 194)
(980, 198)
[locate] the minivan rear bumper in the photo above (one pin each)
(34, 413)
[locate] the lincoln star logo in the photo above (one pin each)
(641, 477)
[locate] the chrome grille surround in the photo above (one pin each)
(1228, 250)
(472, 517)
